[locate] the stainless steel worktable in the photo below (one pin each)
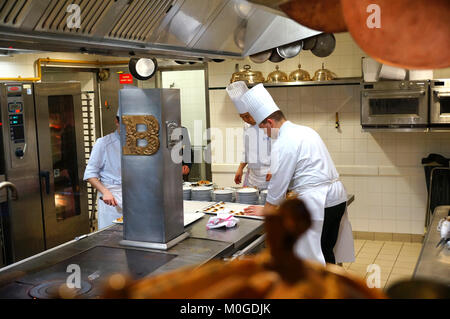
(100, 254)
(434, 263)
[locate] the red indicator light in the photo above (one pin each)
(17, 111)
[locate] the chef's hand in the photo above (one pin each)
(254, 211)
(109, 199)
(238, 176)
(186, 170)
(268, 177)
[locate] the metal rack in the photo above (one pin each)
(88, 106)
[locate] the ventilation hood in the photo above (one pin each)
(178, 29)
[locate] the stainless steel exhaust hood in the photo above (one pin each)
(178, 29)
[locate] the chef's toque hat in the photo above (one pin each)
(235, 91)
(260, 103)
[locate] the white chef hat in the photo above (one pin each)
(235, 91)
(260, 103)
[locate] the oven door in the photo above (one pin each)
(394, 108)
(440, 107)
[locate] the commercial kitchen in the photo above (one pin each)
(75, 72)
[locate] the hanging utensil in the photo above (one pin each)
(261, 57)
(290, 50)
(322, 15)
(325, 45)
(309, 43)
(275, 57)
(387, 34)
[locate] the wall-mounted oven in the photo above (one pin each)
(440, 104)
(395, 105)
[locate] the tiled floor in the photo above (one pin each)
(395, 259)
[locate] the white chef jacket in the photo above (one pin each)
(256, 154)
(302, 163)
(301, 159)
(105, 164)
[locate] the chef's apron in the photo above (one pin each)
(106, 213)
(309, 244)
(344, 250)
(256, 177)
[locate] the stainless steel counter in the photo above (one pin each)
(100, 255)
(434, 263)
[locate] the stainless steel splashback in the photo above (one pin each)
(151, 180)
(191, 29)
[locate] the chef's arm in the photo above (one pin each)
(108, 197)
(268, 208)
(239, 173)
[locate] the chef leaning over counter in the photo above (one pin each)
(301, 163)
(257, 145)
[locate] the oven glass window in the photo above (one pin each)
(396, 106)
(64, 155)
(445, 105)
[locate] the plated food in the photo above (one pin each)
(221, 208)
(204, 183)
(118, 220)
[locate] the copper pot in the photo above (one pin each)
(248, 76)
(299, 75)
(277, 76)
(324, 75)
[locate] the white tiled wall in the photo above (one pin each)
(383, 170)
(192, 95)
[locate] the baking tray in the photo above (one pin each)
(232, 206)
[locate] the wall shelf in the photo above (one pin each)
(340, 81)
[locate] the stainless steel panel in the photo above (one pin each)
(140, 20)
(433, 262)
(24, 222)
(152, 193)
(266, 31)
(93, 14)
(186, 23)
(224, 31)
(64, 229)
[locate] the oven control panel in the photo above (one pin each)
(16, 115)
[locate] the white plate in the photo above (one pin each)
(201, 189)
(247, 191)
(223, 192)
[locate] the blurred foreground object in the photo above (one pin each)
(401, 33)
(274, 273)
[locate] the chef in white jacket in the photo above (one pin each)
(257, 145)
(103, 172)
(302, 163)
